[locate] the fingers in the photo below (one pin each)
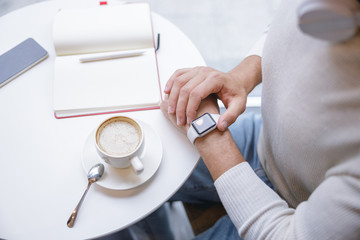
(183, 78)
(212, 84)
(184, 95)
(235, 108)
(170, 82)
(170, 89)
(187, 88)
(177, 81)
(164, 106)
(172, 118)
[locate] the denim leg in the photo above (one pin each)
(199, 188)
(154, 227)
(245, 132)
(223, 229)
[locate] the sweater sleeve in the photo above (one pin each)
(331, 212)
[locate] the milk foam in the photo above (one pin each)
(119, 138)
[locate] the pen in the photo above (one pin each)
(111, 56)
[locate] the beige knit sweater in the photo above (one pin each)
(309, 144)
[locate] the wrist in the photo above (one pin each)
(219, 152)
(202, 126)
(210, 139)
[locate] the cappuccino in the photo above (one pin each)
(119, 138)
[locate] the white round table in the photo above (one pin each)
(42, 178)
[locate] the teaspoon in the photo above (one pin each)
(94, 174)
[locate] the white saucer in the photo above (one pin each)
(123, 179)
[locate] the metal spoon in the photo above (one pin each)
(94, 174)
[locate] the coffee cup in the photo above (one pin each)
(120, 142)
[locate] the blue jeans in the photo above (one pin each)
(199, 188)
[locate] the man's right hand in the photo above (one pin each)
(188, 87)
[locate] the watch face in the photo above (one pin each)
(203, 123)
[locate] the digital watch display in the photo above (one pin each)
(202, 126)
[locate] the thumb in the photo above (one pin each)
(233, 111)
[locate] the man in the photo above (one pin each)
(309, 143)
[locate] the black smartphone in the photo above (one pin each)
(19, 59)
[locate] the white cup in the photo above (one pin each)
(120, 142)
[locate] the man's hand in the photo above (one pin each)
(217, 149)
(188, 87)
(207, 105)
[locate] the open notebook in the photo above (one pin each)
(104, 86)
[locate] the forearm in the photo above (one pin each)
(218, 149)
(249, 71)
(219, 152)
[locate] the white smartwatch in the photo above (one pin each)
(202, 126)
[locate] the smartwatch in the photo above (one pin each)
(202, 126)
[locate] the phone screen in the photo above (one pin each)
(19, 59)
